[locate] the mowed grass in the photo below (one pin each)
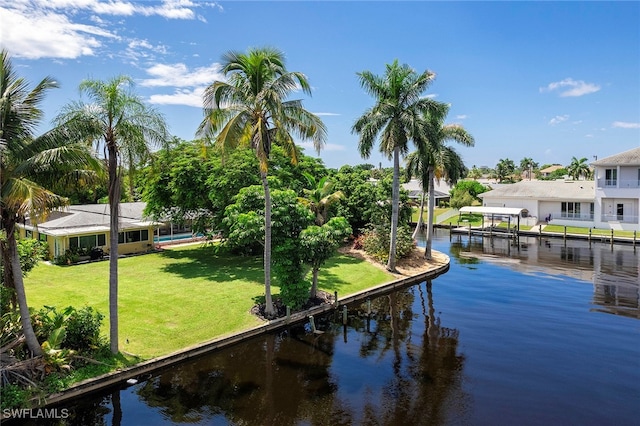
(585, 231)
(181, 296)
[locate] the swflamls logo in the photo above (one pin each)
(35, 413)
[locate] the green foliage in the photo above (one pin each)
(377, 239)
(244, 220)
(83, 330)
(30, 252)
(13, 396)
(461, 199)
(472, 187)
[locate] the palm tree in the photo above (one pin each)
(251, 109)
(527, 164)
(505, 169)
(320, 198)
(395, 120)
(28, 166)
(440, 159)
(118, 121)
(579, 168)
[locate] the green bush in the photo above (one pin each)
(377, 240)
(12, 396)
(83, 330)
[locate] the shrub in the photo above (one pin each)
(377, 239)
(83, 330)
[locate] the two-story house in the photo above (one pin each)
(617, 193)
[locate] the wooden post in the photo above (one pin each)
(368, 307)
(612, 238)
(589, 235)
(312, 323)
(634, 239)
(288, 313)
(565, 233)
(335, 298)
(344, 315)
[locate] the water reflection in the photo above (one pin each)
(512, 334)
(614, 271)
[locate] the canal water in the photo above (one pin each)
(533, 332)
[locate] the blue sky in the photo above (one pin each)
(546, 80)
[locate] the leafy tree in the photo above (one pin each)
(579, 168)
(119, 122)
(394, 119)
(245, 221)
(438, 158)
(505, 169)
(250, 109)
(29, 166)
(471, 187)
(318, 244)
(320, 198)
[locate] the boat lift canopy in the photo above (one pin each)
(506, 211)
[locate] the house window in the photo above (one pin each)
(133, 236)
(591, 210)
(611, 177)
(42, 237)
(570, 210)
(28, 233)
(620, 211)
(87, 241)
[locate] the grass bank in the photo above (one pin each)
(180, 296)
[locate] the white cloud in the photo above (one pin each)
(68, 29)
(461, 117)
(571, 88)
(179, 75)
(192, 98)
(326, 114)
(558, 119)
(625, 125)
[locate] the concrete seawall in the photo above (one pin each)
(437, 266)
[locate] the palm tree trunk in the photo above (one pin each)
(18, 283)
(432, 206)
(391, 264)
(419, 224)
(269, 310)
(114, 209)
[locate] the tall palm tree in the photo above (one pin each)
(118, 121)
(320, 198)
(579, 168)
(395, 120)
(527, 165)
(29, 165)
(438, 156)
(251, 109)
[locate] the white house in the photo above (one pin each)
(617, 193)
(611, 201)
(441, 190)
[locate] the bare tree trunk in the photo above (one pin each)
(18, 283)
(391, 264)
(419, 224)
(114, 208)
(432, 206)
(314, 283)
(269, 309)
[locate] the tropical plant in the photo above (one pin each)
(505, 169)
(437, 158)
(320, 198)
(394, 120)
(527, 166)
(118, 121)
(319, 243)
(579, 168)
(29, 165)
(251, 109)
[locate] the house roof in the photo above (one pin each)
(626, 158)
(551, 169)
(90, 218)
(440, 189)
(545, 190)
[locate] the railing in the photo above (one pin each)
(618, 183)
(626, 218)
(572, 216)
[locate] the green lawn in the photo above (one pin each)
(585, 231)
(181, 296)
(415, 213)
